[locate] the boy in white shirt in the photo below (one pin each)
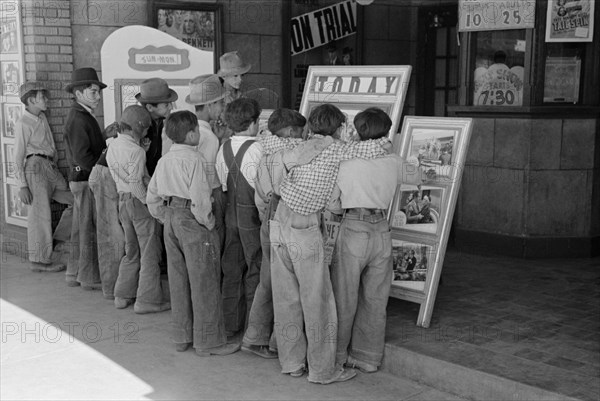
(139, 270)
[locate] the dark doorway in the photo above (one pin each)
(437, 59)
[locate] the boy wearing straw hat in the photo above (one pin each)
(35, 159)
(85, 144)
(139, 271)
(207, 95)
(179, 196)
(231, 72)
(156, 97)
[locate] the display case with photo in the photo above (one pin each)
(417, 209)
(12, 112)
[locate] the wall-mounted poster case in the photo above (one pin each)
(421, 216)
(11, 108)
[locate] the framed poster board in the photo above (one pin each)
(561, 80)
(355, 88)
(12, 75)
(421, 216)
(195, 23)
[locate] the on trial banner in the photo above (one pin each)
(570, 21)
(495, 15)
(322, 26)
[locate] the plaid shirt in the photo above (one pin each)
(273, 143)
(307, 188)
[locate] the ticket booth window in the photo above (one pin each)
(498, 69)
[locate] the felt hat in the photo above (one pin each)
(84, 76)
(156, 90)
(136, 116)
(205, 89)
(31, 86)
(232, 64)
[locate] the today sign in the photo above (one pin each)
(322, 26)
(383, 85)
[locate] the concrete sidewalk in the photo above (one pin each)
(65, 343)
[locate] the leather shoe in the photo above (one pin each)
(360, 365)
(341, 375)
(91, 287)
(47, 267)
(261, 350)
(181, 347)
(73, 283)
(122, 303)
(142, 308)
(297, 373)
(222, 350)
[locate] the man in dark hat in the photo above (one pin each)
(156, 96)
(85, 144)
(35, 160)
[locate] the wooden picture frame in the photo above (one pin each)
(430, 209)
(198, 24)
(355, 88)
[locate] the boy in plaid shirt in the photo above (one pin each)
(302, 292)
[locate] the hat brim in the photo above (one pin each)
(70, 86)
(173, 96)
(236, 71)
(189, 101)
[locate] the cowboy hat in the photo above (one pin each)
(32, 86)
(232, 64)
(156, 90)
(205, 89)
(84, 76)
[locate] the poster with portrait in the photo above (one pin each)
(570, 21)
(9, 162)
(420, 216)
(16, 210)
(197, 24)
(11, 114)
(10, 78)
(9, 35)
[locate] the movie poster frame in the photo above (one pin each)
(392, 103)
(188, 5)
(449, 184)
(11, 10)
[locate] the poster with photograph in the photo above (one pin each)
(418, 209)
(9, 35)
(411, 262)
(570, 21)
(16, 209)
(12, 114)
(10, 78)
(198, 25)
(10, 171)
(433, 150)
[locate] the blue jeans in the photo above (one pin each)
(361, 274)
(194, 280)
(302, 295)
(139, 271)
(110, 236)
(46, 184)
(83, 260)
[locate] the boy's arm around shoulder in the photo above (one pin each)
(365, 149)
(305, 152)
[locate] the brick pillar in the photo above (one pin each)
(49, 58)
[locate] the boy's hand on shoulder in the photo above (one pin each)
(25, 195)
(305, 152)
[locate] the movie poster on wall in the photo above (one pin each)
(570, 21)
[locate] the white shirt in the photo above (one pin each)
(180, 173)
(249, 162)
(32, 136)
(208, 148)
(126, 160)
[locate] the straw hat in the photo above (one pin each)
(232, 64)
(156, 90)
(30, 87)
(84, 76)
(205, 89)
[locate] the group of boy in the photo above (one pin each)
(240, 220)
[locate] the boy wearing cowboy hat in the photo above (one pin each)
(85, 144)
(156, 97)
(179, 196)
(207, 95)
(139, 271)
(232, 69)
(35, 159)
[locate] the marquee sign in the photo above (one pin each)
(322, 26)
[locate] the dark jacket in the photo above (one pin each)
(85, 142)
(155, 150)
